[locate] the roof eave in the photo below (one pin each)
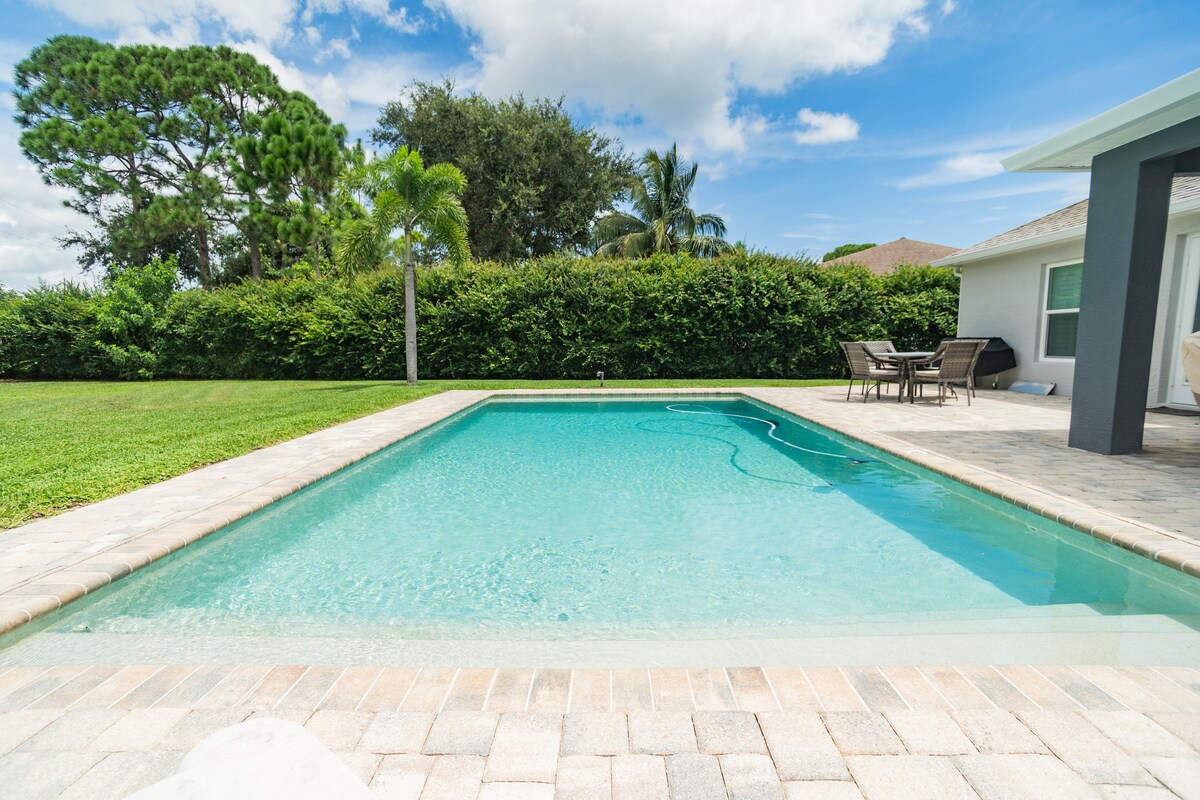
(1053, 237)
(1072, 150)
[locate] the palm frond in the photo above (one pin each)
(357, 247)
(615, 225)
(662, 219)
(446, 220)
(405, 195)
(705, 246)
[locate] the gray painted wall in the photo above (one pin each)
(1004, 296)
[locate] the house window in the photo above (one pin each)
(1061, 322)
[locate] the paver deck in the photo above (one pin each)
(940, 732)
(971, 731)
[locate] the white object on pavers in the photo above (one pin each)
(1029, 387)
(263, 759)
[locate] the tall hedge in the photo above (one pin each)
(749, 316)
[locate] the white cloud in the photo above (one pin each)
(379, 10)
(822, 127)
(960, 168)
(179, 22)
(948, 7)
(336, 47)
(716, 171)
(682, 68)
(31, 217)
(1070, 188)
(352, 93)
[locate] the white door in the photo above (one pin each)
(1189, 321)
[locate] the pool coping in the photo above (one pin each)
(350, 442)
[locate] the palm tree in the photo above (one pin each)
(420, 203)
(661, 220)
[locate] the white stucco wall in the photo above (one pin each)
(1004, 296)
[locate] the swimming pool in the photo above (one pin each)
(529, 530)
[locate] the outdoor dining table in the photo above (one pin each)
(906, 365)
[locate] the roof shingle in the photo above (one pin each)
(886, 257)
(1185, 187)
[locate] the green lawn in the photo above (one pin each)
(68, 444)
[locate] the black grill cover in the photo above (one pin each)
(997, 356)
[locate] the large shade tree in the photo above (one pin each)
(661, 219)
(147, 139)
(535, 179)
(418, 203)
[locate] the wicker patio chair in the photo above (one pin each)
(932, 363)
(958, 358)
(876, 349)
(882, 346)
(864, 368)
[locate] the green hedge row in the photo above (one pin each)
(745, 315)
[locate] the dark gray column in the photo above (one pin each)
(1123, 252)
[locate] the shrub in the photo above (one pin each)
(745, 315)
(129, 312)
(50, 332)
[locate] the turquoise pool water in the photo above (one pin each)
(593, 520)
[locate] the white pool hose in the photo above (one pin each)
(771, 426)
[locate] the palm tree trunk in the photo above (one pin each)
(410, 310)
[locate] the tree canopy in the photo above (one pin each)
(662, 219)
(167, 148)
(535, 180)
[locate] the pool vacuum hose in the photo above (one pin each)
(771, 426)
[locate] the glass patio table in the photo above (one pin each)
(906, 364)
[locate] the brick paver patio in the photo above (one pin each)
(971, 731)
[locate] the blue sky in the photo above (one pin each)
(815, 123)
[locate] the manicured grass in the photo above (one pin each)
(68, 444)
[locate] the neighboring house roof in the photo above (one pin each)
(886, 257)
(1062, 225)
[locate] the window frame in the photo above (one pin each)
(1045, 313)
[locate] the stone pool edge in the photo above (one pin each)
(49, 590)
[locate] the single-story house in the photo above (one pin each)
(1136, 271)
(1024, 285)
(884, 258)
